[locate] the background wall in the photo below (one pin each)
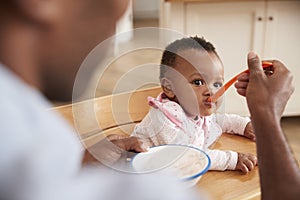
(145, 9)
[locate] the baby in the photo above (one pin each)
(190, 72)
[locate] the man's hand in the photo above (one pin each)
(109, 150)
(262, 91)
(127, 143)
(267, 97)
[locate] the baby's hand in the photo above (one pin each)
(249, 132)
(246, 162)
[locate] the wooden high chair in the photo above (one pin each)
(113, 114)
(117, 114)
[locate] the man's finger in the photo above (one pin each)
(134, 144)
(241, 91)
(241, 84)
(244, 77)
(254, 64)
(116, 137)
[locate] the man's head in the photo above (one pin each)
(46, 41)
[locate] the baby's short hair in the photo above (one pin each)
(170, 53)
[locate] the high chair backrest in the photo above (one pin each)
(113, 114)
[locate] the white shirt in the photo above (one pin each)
(40, 155)
(167, 123)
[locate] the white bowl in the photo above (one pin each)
(187, 163)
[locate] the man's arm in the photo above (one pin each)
(266, 99)
(279, 173)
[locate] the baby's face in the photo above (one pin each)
(196, 77)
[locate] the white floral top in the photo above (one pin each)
(167, 123)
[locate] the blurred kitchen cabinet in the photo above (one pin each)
(282, 41)
(270, 28)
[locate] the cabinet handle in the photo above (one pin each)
(259, 18)
(271, 18)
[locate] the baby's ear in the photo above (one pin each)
(167, 88)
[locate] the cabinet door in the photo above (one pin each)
(283, 42)
(172, 15)
(235, 28)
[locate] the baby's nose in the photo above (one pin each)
(208, 92)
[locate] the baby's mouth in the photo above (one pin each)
(209, 104)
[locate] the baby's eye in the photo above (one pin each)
(218, 84)
(198, 82)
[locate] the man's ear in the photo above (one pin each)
(167, 88)
(37, 11)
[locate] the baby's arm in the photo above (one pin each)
(222, 160)
(231, 123)
(230, 160)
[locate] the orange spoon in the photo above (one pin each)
(223, 89)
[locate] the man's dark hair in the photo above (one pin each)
(170, 53)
